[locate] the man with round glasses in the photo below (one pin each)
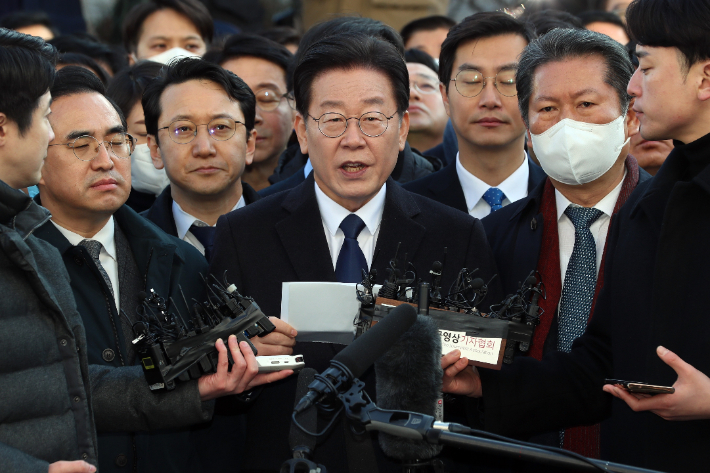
(348, 216)
(262, 64)
(477, 71)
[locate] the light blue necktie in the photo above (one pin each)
(580, 278)
(351, 259)
(494, 197)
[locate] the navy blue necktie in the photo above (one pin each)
(494, 197)
(206, 236)
(351, 259)
(580, 278)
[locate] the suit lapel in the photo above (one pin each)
(448, 188)
(303, 237)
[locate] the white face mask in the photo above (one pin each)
(171, 54)
(575, 153)
(144, 176)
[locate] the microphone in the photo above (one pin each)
(357, 357)
(302, 445)
(409, 379)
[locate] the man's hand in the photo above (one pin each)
(78, 466)
(690, 401)
(243, 376)
(278, 342)
(459, 378)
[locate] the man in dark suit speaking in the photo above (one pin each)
(352, 95)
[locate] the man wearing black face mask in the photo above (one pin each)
(568, 80)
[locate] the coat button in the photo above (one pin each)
(77, 399)
(121, 460)
(78, 261)
(108, 355)
(63, 342)
(85, 456)
(533, 224)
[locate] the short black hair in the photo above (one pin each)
(194, 10)
(126, 88)
(86, 44)
(545, 20)
(601, 16)
(477, 26)
(350, 51)
(681, 24)
(564, 43)
(190, 68)
(241, 45)
(428, 23)
(420, 57)
(22, 19)
(73, 80)
(78, 59)
(26, 74)
(282, 34)
(344, 25)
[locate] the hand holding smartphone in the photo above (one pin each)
(639, 387)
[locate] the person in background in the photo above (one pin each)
(546, 20)
(606, 23)
(285, 36)
(427, 34)
(427, 114)
(82, 60)
(262, 64)
(33, 23)
(156, 26)
(107, 57)
(477, 73)
(126, 89)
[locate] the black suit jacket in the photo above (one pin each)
(445, 187)
(655, 284)
(281, 238)
(161, 212)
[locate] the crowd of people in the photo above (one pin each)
(573, 144)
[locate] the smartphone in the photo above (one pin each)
(280, 362)
(638, 387)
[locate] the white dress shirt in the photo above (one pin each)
(183, 222)
(515, 187)
(107, 255)
(333, 214)
(599, 228)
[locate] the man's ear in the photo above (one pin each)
(445, 98)
(300, 126)
(155, 152)
(251, 147)
(704, 89)
(403, 130)
(632, 121)
(4, 129)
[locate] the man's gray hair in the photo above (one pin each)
(563, 43)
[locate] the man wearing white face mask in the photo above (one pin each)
(572, 96)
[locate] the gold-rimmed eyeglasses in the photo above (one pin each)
(184, 131)
(471, 82)
(333, 125)
(86, 147)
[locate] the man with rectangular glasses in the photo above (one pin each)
(477, 73)
(348, 216)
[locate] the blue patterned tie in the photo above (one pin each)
(351, 259)
(580, 278)
(494, 197)
(205, 234)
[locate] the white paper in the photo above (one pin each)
(484, 350)
(321, 311)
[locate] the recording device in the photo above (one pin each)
(267, 364)
(351, 363)
(173, 346)
(409, 379)
(639, 387)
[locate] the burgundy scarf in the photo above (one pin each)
(583, 440)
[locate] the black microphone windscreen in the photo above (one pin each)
(530, 281)
(309, 418)
(437, 266)
(409, 379)
(362, 353)
(477, 283)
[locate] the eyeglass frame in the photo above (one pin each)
(317, 120)
(414, 85)
(201, 124)
(108, 150)
(281, 97)
(495, 83)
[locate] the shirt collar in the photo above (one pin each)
(333, 213)
(515, 186)
(183, 220)
(606, 205)
(105, 236)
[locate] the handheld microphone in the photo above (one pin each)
(409, 379)
(357, 357)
